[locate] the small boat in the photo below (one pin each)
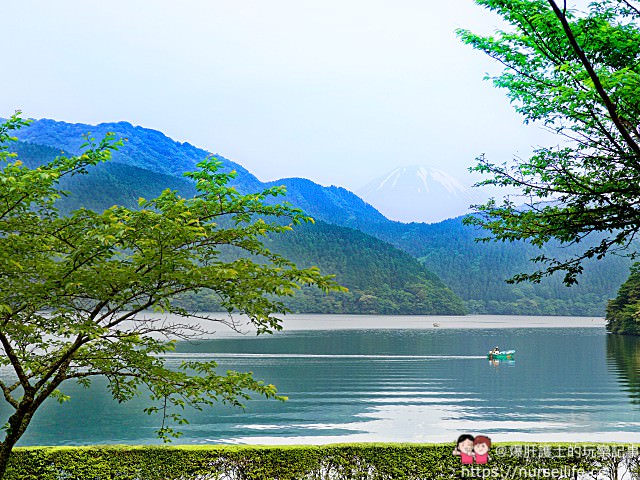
(504, 354)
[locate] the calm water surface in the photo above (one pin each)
(392, 379)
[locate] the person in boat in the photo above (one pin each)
(495, 351)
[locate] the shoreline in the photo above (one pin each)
(219, 324)
(434, 322)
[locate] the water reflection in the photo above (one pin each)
(496, 362)
(623, 354)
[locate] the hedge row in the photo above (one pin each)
(326, 462)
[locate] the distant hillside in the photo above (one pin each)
(107, 183)
(476, 272)
(152, 150)
(381, 278)
(335, 205)
(144, 148)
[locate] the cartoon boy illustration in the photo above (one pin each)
(481, 446)
(464, 448)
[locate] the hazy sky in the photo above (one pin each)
(338, 91)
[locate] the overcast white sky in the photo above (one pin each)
(337, 91)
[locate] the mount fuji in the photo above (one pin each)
(419, 193)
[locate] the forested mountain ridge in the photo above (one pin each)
(474, 271)
(381, 278)
(152, 150)
(143, 147)
(332, 204)
(477, 272)
(105, 183)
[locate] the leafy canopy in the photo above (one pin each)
(623, 312)
(578, 74)
(76, 291)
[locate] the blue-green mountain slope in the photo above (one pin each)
(476, 272)
(381, 278)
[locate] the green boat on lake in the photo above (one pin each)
(502, 355)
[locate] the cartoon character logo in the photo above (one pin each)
(473, 450)
(464, 448)
(481, 446)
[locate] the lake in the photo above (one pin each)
(391, 379)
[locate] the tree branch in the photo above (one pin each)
(7, 393)
(15, 363)
(630, 6)
(596, 80)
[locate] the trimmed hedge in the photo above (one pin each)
(326, 462)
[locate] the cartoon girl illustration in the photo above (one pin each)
(481, 446)
(464, 448)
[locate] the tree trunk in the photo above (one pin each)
(17, 425)
(5, 453)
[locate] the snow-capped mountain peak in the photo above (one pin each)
(419, 193)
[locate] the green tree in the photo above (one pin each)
(76, 290)
(578, 74)
(623, 312)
